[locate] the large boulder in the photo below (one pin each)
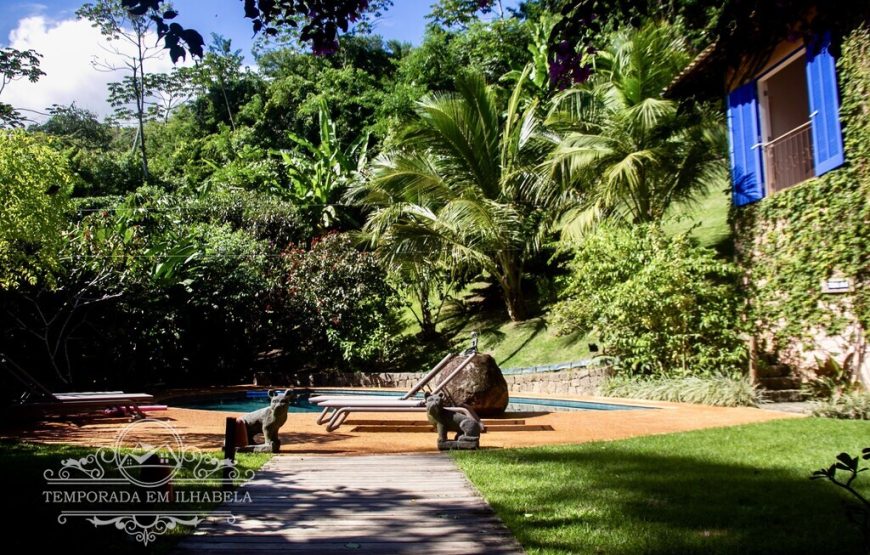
(479, 385)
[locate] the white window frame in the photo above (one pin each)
(764, 110)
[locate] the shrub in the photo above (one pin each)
(35, 183)
(831, 380)
(663, 305)
(266, 217)
(720, 391)
(845, 406)
(340, 298)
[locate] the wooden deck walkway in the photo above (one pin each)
(393, 504)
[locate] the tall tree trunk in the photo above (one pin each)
(511, 284)
(139, 83)
(426, 320)
(227, 103)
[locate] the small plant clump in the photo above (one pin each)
(720, 391)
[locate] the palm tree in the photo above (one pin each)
(457, 192)
(626, 152)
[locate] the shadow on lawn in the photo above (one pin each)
(617, 502)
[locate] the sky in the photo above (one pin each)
(69, 45)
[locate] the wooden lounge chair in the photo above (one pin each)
(336, 408)
(39, 398)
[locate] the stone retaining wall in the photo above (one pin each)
(578, 381)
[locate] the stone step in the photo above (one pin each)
(788, 382)
(774, 371)
(783, 395)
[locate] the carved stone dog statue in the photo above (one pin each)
(467, 429)
(268, 421)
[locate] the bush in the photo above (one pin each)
(720, 391)
(845, 406)
(35, 183)
(342, 301)
(267, 218)
(663, 305)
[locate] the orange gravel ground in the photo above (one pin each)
(204, 429)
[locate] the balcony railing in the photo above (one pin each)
(789, 158)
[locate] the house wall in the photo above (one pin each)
(782, 50)
(790, 242)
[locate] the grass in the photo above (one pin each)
(22, 466)
(520, 344)
(512, 344)
(738, 490)
(710, 213)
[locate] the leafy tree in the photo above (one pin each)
(76, 127)
(492, 48)
(167, 92)
(88, 145)
(15, 65)
(457, 190)
(219, 75)
(626, 152)
(663, 305)
(35, 183)
(352, 82)
(460, 13)
(426, 283)
(319, 21)
(123, 28)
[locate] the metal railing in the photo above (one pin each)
(789, 158)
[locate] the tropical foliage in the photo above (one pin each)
(626, 152)
(315, 212)
(457, 192)
(35, 183)
(319, 175)
(664, 306)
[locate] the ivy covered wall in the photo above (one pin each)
(792, 241)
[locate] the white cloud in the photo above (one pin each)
(68, 47)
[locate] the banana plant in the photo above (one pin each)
(318, 175)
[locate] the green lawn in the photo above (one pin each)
(512, 344)
(22, 466)
(520, 344)
(733, 490)
(710, 214)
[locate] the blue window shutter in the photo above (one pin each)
(824, 108)
(744, 136)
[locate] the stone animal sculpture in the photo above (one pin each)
(268, 421)
(467, 429)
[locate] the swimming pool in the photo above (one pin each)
(252, 400)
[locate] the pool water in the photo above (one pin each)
(253, 400)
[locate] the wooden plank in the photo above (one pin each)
(367, 504)
(376, 422)
(352, 547)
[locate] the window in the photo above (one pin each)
(784, 127)
(787, 154)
